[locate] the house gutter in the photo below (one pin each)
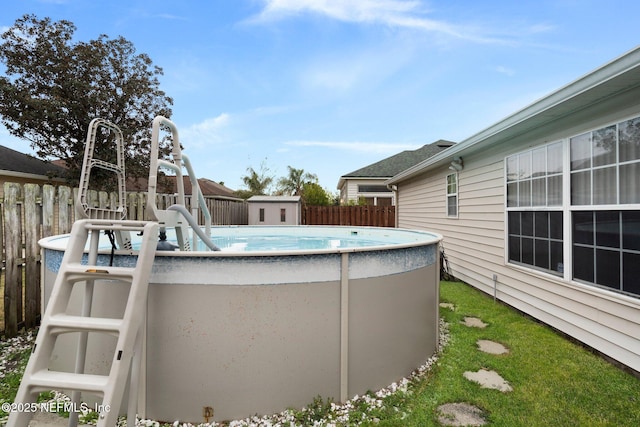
(617, 76)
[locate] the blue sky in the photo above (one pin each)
(331, 86)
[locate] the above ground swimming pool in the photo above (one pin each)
(279, 316)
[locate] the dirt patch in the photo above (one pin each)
(48, 419)
(460, 414)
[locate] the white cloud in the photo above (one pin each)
(361, 147)
(171, 17)
(208, 131)
(504, 70)
(408, 14)
(354, 11)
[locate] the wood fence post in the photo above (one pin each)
(13, 246)
(32, 221)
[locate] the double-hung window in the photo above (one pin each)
(599, 184)
(534, 208)
(452, 195)
(605, 201)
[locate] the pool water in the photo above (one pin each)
(278, 243)
(290, 239)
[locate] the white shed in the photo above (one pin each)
(274, 210)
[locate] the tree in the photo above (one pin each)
(293, 184)
(315, 195)
(257, 183)
(54, 87)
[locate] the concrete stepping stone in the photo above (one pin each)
(460, 414)
(489, 379)
(448, 305)
(491, 347)
(474, 322)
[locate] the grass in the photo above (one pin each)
(555, 381)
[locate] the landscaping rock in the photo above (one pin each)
(491, 347)
(460, 414)
(489, 379)
(474, 322)
(448, 305)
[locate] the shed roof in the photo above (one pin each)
(274, 199)
(561, 107)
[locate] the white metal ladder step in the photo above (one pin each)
(61, 323)
(74, 269)
(52, 380)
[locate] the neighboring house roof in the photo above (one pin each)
(168, 184)
(598, 87)
(14, 163)
(274, 199)
(395, 164)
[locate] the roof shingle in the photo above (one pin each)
(395, 164)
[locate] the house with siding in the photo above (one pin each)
(542, 209)
(368, 183)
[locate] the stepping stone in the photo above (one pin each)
(448, 305)
(460, 414)
(491, 347)
(488, 379)
(474, 322)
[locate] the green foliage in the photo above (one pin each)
(257, 183)
(11, 380)
(315, 412)
(294, 182)
(315, 195)
(360, 202)
(54, 87)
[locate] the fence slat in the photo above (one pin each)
(12, 244)
(32, 221)
(48, 213)
(64, 211)
(375, 216)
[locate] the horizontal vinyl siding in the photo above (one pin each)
(475, 247)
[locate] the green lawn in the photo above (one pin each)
(556, 382)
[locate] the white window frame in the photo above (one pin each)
(452, 195)
(568, 209)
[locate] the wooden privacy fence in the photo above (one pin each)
(375, 216)
(31, 212)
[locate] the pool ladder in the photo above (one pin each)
(77, 269)
(56, 321)
(177, 216)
